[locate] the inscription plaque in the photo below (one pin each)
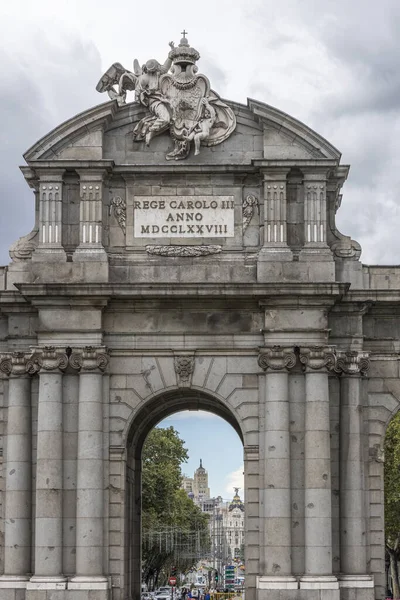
(183, 216)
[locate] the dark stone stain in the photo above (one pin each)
(271, 448)
(276, 568)
(311, 505)
(12, 471)
(295, 506)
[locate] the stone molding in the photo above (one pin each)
(315, 358)
(352, 362)
(89, 359)
(277, 358)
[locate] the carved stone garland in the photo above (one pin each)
(249, 205)
(183, 250)
(118, 207)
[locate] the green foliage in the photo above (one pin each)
(162, 455)
(392, 499)
(392, 482)
(171, 523)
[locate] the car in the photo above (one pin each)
(163, 593)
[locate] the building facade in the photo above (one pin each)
(197, 486)
(185, 256)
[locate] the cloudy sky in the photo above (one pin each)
(333, 64)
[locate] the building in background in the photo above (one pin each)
(226, 523)
(197, 486)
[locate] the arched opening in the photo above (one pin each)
(151, 414)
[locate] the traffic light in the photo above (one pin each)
(216, 577)
(173, 571)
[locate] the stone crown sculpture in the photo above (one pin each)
(177, 98)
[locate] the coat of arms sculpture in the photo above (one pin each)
(177, 98)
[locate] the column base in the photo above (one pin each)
(319, 582)
(356, 581)
(90, 253)
(275, 582)
(51, 254)
(274, 252)
(40, 582)
(14, 582)
(315, 251)
(88, 583)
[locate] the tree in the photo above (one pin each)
(392, 499)
(171, 522)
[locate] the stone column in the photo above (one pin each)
(50, 246)
(275, 218)
(49, 472)
(91, 217)
(353, 556)
(317, 494)
(90, 485)
(18, 473)
(277, 565)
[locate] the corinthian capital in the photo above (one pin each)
(352, 362)
(89, 359)
(318, 357)
(15, 363)
(276, 358)
(47, 359)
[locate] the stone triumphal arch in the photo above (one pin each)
(185, 255)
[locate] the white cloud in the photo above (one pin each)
(234, 479)
(184, 415)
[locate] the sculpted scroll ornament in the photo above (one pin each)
(177, 99)
(89, 359)
(276, 358)
(47, 359)
(352, 362)
(318, 357)
(23, 248)
(17, 363)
